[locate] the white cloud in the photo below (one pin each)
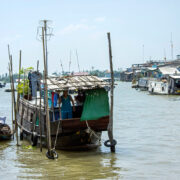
(100, 19)
(75, 27)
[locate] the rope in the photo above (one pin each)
(56, 135)
(93, 132)
(57, 128)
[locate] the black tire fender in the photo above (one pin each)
(108, 144)
(34, 139)
(54, 155)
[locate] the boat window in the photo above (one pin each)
(177, 83)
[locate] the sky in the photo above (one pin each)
(82, 26)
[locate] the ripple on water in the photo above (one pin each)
(146, 128)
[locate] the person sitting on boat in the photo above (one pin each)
(66, 108)
(80, 98)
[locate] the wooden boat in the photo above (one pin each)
(5, 130)
(9, 90)
(67, 134)
(2, 84)
(168, 86)
(143, 84)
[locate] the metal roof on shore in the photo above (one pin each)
(175, 76)
(169, 70)
(76, 82)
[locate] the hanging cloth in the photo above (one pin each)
(96, 105)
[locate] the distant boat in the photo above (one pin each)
(2, 84)
(9, 90)
(167, 86)
(5, 130)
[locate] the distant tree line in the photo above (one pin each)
(104, 73)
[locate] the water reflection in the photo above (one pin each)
(79, 165)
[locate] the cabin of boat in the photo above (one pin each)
(143, 84)
(83, 130)
(166, 86)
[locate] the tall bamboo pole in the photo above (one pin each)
(110, 126)
(12, 80)
(18, 95)
(12, 103)
(40, 127)
(46, 102)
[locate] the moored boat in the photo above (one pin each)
(83, 130)
(2, 84)
(165, 86)
(5, 130)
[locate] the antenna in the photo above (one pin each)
(69, 61)
(47, 35)
(77, 60)
(171, 47)
(62, 67)
(143, 52)
(165, 55)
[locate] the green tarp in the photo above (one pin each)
(96, 105)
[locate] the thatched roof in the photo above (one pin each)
(76, 82)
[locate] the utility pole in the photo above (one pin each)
(62, 67)
(143, 52)
(43, 36)
(164, 55)
(70, 61)
(171, 48)
(47, 35)
(77, 60)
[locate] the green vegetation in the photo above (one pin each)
(23, 86)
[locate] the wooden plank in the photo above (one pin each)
(74, 125)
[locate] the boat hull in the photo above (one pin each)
(72, 134)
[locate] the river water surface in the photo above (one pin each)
(146, 127)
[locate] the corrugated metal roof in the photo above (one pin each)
(76, 82)
(169, 70)
(151, 68)
(175, 76)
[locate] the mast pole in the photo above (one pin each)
(40, 126)
(18, 95)
(171, 48)
(143, 53)
(45, 38)
(12, 114)
(77, 60)
(14, 100)
(69, 61)
(110, 126)
(62, 67)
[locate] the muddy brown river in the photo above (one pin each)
(146, 127)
